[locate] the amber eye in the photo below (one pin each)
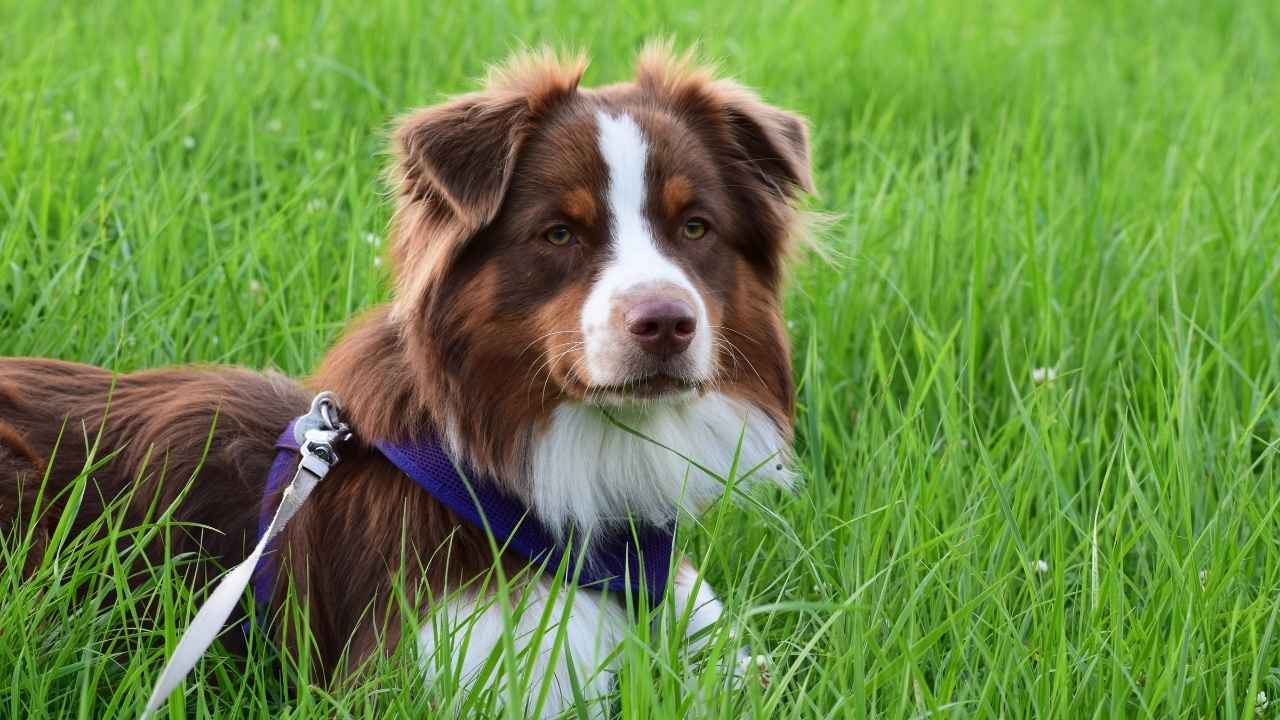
(695, 229)
(560, 235)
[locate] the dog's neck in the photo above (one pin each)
(580, 467)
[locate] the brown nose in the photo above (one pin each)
(661, 327)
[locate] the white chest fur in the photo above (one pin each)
(588, 473)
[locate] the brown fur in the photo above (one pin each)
(580, 205)
(19, 461)
(152, 426)
(471, 347)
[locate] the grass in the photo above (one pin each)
(1089, 187)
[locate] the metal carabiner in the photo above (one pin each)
(325, 414)
(321, 430)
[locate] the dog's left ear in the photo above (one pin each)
(775, 141)
(461, 154)
(772, 141)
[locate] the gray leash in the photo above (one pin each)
(318, 433)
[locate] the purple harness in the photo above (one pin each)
(637, 564)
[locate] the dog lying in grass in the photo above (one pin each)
(586, 317)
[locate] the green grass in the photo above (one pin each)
(1086, 186)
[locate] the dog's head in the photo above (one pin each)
(563, 253)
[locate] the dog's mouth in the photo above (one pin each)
(655, 387)
(647, 388)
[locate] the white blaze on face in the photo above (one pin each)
(634, 265)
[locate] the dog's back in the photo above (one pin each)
(53, 414)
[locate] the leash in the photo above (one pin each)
(317, 434)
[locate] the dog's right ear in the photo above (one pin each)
(461, 154)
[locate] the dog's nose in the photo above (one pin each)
(662, 327)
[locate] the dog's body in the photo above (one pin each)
(566, 260)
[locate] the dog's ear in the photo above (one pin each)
(773, 142)
(462, 153)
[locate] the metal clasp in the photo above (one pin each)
(321, 430)
(320, 444)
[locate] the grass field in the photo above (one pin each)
(1086, 188)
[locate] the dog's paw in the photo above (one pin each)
(753, 667)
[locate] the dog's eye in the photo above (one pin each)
(695, 228)
(560, 235)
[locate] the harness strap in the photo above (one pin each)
(632, 558)
(629, 560)
(318, 457)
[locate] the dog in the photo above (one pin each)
(586, 309)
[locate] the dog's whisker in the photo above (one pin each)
(547, 359)
(745, 336)
(547, 376)
(542, 337)
(738, 353)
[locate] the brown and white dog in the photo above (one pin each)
(561, 255)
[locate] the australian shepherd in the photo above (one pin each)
(586, 309)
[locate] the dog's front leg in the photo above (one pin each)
(550, 631)
(694, 599)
